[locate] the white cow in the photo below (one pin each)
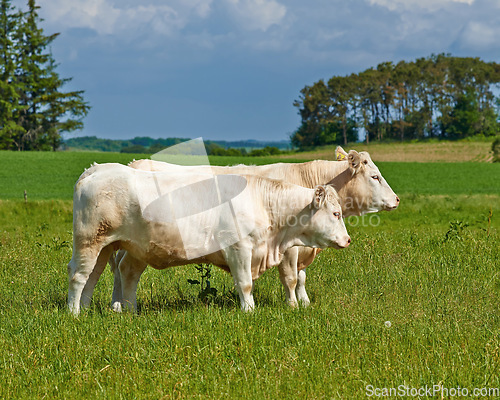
(358, 181)
(243, 224)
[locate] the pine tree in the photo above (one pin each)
(9, 129)
(40, 110)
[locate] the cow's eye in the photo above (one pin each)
(337, 214)
(376, 177)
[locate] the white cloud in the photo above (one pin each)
(107, 18)
(480, 36)
(257, 14)
(429, 5)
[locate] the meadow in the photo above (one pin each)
(414, 301)
(432, 150)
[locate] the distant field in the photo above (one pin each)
(52, 175)
(48, 175)
(441, 151)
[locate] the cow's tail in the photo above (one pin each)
(115, 258)
(112, 261)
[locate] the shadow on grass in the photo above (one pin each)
(226, 298)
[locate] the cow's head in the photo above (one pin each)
(365, 189)
(324, 226)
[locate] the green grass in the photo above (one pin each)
(442, 178)
(431, 268)
(46, 175)
(441, 297)
(52, 175)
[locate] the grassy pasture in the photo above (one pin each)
(52, 175)
(431, 268)
(422, 152)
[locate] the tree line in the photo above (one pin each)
(435, 97)
(34, 110)
(148, 145)
(212, 148)
(143, 144)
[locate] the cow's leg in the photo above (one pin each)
(301, 288)
(88, 290)
(244, 286)
(117, 298)
(241, 271)
(79, 269)
(288, 275)
(131, 270)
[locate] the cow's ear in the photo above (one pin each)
(354, 160)
(319, 196)
(340, 154)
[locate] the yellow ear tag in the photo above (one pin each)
(340, 156)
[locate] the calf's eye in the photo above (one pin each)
(337, 214)
(376, 177)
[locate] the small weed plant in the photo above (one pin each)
(207, 292)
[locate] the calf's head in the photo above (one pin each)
(366, 190)
(324, 226)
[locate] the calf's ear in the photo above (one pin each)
(354, 160)
(340, 153)
(319, 196)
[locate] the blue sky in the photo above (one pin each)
(231, 69)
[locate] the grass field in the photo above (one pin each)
(52, 175)
(431, 268)
(438, 151)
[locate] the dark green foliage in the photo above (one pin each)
(33, 109)
(221, 151)
(310, 135)
(266, 151)
(253, 144)
(147, 145)
(207, 292)
(439, 96)
(495, 147)
(135, 148)
(217, 149)
(468, 119)
(93, 143)
(455, 231)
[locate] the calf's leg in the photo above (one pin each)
(305, 258)
(302, 296)
(288, 275)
